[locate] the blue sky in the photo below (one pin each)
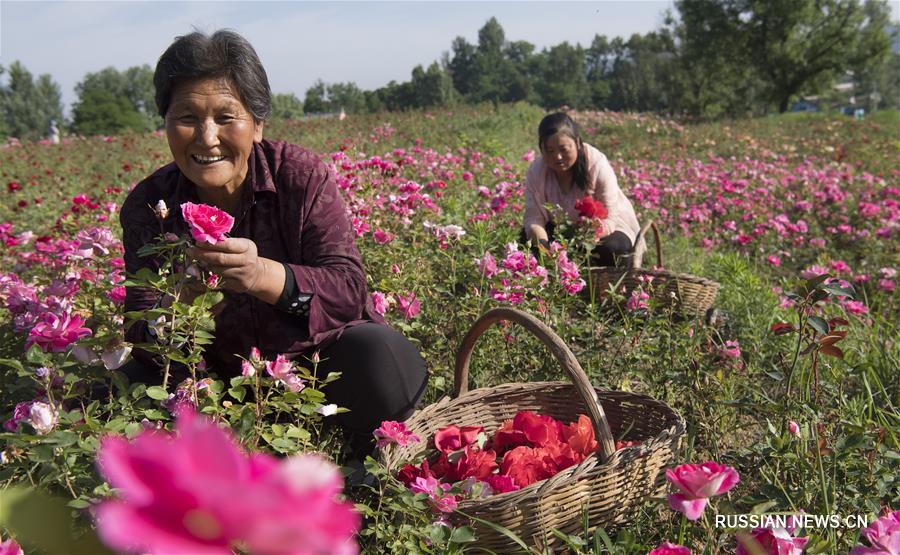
(370, 43)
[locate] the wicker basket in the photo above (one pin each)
(608, 486)
(693, 294)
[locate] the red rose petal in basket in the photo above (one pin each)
(527, 465)
(454, 438)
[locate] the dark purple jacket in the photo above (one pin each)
(293, 211)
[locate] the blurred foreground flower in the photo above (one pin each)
(883, 536)
(197, 492)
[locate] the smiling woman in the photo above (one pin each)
(291, 272)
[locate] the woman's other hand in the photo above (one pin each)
(241, 269)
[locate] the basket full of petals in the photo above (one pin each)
(686, 294)
(530, 492)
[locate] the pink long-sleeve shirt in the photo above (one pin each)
(542, 187)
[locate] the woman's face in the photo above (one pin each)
(560, 152)
(211, 134)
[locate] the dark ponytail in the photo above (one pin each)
(560, 122)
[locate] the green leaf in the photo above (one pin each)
(157, 392)
(12, 363)
(819, 324)
(835, 289)
(464, 534)
(238, 393)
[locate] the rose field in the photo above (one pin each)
(789, 387)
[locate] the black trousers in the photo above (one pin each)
(608, 251)
(383, 376)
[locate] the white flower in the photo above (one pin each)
(115, 358)
(327, 410)
(84, 354)
(42, 417)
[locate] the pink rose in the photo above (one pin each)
(670, 549)
(731, 349)
(766, 540)
(380, 302)
(410, 306)
(794, 428)
(883, 536)
(55, 333)
(697, 483)
(198, 492)
(283, 372)
(394, 432)
(207, 223)
(10, 547)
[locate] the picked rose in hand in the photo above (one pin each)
(208, 223)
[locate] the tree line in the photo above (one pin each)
(711, 59)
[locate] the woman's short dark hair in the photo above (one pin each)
(225, 54)
(562, 123)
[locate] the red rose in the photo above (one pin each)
(579, 435)
(472, 462)
(526, 465)
(501, 483)
(408, 474)
(454, 438)
(539, 429)
(591, 208)
(506, 437)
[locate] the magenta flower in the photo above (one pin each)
(487, 265)
(883, 536)
(637, 300)
(382, 237)
(794, 428)
(10, 547)
(773, 260)
(116, 294)
(813, 271)
(697, 483)
(528, 156)
(436, 491)
(766, 540)
(380, 302)
(198, 492)
(670, 549)
(731, 349)
(410, 306)
(283, 372)
(207, 223)
(855, 307)
(394, 432)
(55, 333)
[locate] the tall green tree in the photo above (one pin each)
(347, 97)
(315, 101)
(432, 87)
(563, 79)
(286, 106)
(101, 112)
(792, 46)
(26, 105)
(135, 85)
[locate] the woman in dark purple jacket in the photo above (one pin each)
(293, 277)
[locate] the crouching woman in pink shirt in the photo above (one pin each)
(568, 170)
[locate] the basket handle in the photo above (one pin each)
(642, 233)
(559, 350)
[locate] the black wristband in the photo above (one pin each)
(292, 300)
